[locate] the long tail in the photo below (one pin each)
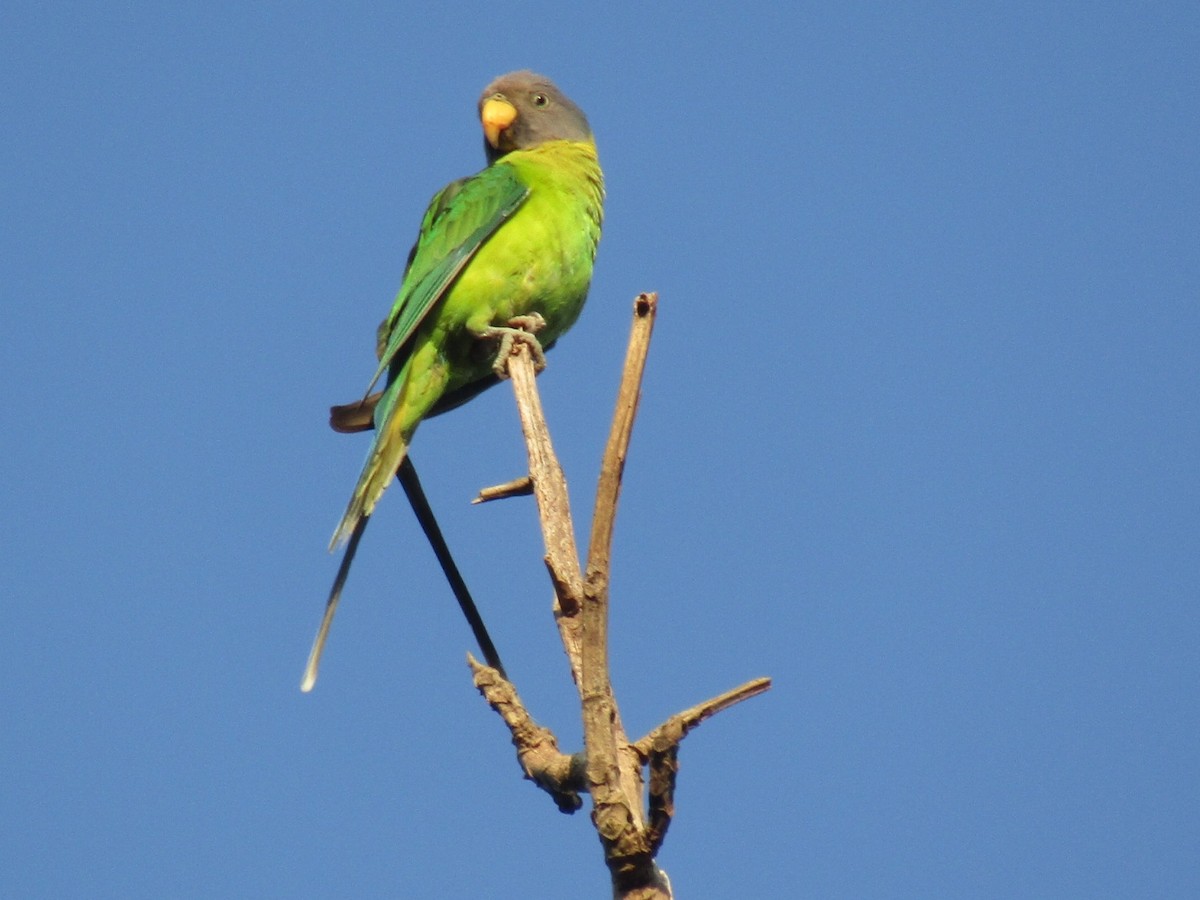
(376, 475)
(388, 451)
(335, 594)
(408, 398)
(433, 533)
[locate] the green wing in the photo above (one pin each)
(459, 220)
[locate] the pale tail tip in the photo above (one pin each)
(309, 681)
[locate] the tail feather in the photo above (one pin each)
(397, 413)
(388, 451)
(335, 594)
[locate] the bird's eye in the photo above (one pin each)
(541, 100)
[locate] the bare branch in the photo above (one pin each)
(614, 777)
(672, 731)
(611, 771)
(660, 750)
(664, 768)
(645, 309)
(557, 773)
(554, 508)
(549, 483)
(518, 487)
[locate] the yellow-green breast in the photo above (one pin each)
(540, 260)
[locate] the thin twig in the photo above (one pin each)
(518, 487)
(660, 750)
(674, 730)
(645, 309)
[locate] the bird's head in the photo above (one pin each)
(522, 109)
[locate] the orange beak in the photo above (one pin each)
(496, 115)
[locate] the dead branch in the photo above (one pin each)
(554, 507)
(518, 487)
(611, 768)
(664, 769)
(672, 731)
(614, 778)
(557, 773)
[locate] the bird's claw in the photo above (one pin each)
(522, 329)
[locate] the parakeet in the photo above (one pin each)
(500, 254)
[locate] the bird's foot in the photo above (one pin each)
(521, 329)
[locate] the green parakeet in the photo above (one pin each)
(509, 246)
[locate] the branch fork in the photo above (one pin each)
(631, 828)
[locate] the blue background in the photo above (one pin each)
(919, 439)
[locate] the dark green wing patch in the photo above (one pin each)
(459, 220)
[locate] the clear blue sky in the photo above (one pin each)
(920, 440)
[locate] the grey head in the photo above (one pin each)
(523, 109)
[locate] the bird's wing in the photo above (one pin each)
(459, 220)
